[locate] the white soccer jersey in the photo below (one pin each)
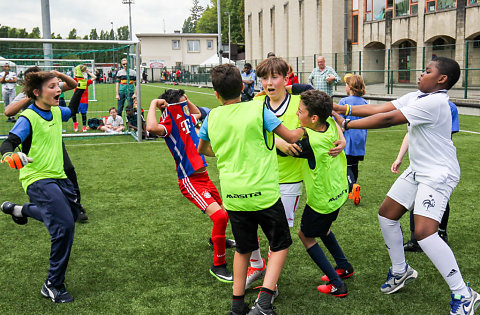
(10, 75)
(433, 157)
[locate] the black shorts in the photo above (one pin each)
(315, 224)
(354, 159)
(272, 221)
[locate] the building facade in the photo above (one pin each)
(384, 40)
(160, 50)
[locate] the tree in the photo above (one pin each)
(93, 34)
(123, 32)
(188, 26)
(35, 33)
(72, 34)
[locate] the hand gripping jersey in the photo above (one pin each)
(181, 139)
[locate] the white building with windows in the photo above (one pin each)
(159, 50)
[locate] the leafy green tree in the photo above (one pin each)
(123, 32)
(35, 33)
(93, 34)
(188, 26)
(208, 21)
(72, 34)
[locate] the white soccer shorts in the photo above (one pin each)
(290, 197)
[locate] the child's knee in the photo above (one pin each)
(220, 218)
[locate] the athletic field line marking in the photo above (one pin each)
(162, 87)
(468, 131)
(110, 143)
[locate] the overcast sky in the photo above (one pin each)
(148, 16)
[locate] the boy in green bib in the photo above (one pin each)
(326, 186)
(239, 135)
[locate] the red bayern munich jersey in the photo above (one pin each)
(182, 139)
(84, 98)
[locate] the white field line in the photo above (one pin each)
(162, 87)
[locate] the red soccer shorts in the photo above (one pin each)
(199, 189)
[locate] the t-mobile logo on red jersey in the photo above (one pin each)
(185, 126)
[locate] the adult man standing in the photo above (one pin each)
(323, 77)
(248, 78)
(8, 80)
(125, 86)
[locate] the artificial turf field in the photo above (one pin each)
(145, 250)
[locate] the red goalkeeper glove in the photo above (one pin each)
(16, 160)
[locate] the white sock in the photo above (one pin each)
(256, 259)
(17, 211)
(393, 236)
(442, 257)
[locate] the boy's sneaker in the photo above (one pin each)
(356, 194)
(396, 282)
(82, 217)
(245, 310)
(342, 273)
(84, 129)
(460, 305)
(57, 295)
(258, 310)
(7, 208)
(228, 243)
(75, 127)
(254, 274)
(412, 246)
(329, 288)
(222, 273)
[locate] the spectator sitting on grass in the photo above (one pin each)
(114, 122)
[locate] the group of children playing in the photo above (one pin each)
(260, 176)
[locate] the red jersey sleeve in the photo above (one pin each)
(166, 122)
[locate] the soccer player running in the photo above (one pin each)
(426, 185)
(177, 126)
(52, 196)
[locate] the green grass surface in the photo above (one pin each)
(145, 250)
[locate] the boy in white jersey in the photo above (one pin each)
(426, 185)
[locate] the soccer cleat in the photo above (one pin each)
(342, 273)
(412, 246)
(82, 217)
(329, 288)
(56, 294)
(222, 273)
(228, 243)
(356, 194)
(75, 127)
(7, 208)
(443, 235)
(396, 282)
(254, 274)
(460, 305)
(245, 310)
(84, 129)
(258, 310)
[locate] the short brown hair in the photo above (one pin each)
(317, 103)
(111, 109)
(227, 81)
(272, 65)
(356, 84)
(34, 81)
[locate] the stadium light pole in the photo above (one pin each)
(113, 46)
(130, 2)
(229, 38)
(47, 32)
(219, 17)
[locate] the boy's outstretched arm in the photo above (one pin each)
(401, 153)
(364, 110)
(193, 109)
(382, 120)
(291, 136)
(152, 122)
(15, 107)
(205, 148)
(340, 144)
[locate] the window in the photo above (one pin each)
(476, 41)
(175, 44)
(355, 22)
(209, 44)
(375, 9)
(435, 5)
(406, 7)
(439, 44)
(193, 46)
(472, 2)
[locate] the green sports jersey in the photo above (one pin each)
(45, 150)
(289, 168)
(326, 184)
(247, 167)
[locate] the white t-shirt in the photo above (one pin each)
(115, 123)
(10, 75)
(433, 157)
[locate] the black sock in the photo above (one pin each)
(238, 303)
(334, 248)
(84, 119)
(316, 253)
(265, 298)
